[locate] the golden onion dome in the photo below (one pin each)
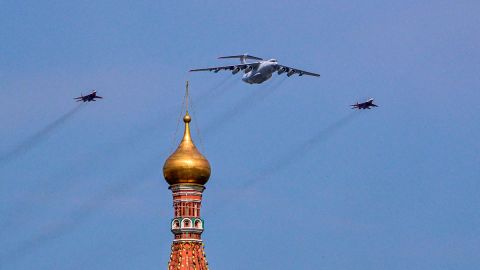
(186, 165)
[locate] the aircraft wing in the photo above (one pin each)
(232, 67)
(296, 71)
(98, 97)
(78, 98)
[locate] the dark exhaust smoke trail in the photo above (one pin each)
(294, 155)
(38, 137)
(212, 90)
(244, 104)
(19, 213)
(291, 157)
(77, 217)
(86, 211)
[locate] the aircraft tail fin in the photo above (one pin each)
(242, 57)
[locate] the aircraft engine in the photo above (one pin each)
(216, 70)
(235, 70)
(248, 69)
(281, 70)
(290, 73)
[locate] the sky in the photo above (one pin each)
(299, 180)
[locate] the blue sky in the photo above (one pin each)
(299, 181)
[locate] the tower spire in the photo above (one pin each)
(186, 98)
(187, 171)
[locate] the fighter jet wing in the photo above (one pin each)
(290, 71)
(98, 97)
(217, 69)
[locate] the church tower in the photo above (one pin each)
(187, 171)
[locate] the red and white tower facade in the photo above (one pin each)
(187, 171)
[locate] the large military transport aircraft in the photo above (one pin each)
(257, 72)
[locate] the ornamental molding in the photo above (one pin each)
(186, 200)
(182, 187)
(188, 240)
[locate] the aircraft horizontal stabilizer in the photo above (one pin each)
(242, 56)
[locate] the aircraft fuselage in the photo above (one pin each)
(261, 73)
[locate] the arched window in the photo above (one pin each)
(186, 223)
(198, 224)
(175, 224)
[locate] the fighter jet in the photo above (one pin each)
(364, 105)
(259, 71)
(90, 97)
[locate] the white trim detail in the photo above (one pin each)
(187, 240)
